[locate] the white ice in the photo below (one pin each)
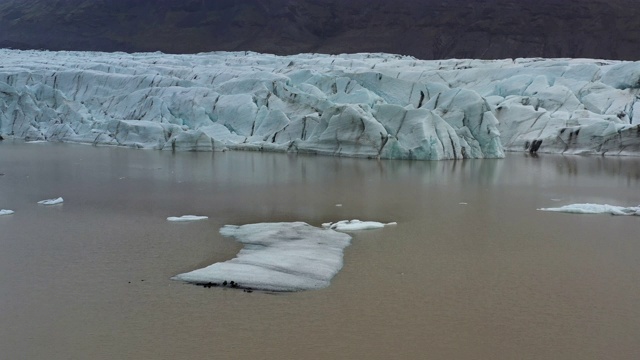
(6, 212)
(184, 218)
(596, 209)
(55, 201)
(355, 225)
(363, 105)
(277, 257)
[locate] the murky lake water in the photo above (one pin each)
(493, 279)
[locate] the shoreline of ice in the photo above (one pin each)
(359, 105)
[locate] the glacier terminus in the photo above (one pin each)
(369, 105)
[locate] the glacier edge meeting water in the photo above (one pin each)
(360, 105)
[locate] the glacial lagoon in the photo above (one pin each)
(471, 270)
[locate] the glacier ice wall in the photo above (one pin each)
(363, 105)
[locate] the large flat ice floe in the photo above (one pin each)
(596, 209)
(363, 105)
(277, 257)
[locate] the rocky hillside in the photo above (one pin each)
(427, 29)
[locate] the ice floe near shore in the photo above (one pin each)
(363, 105)
(277, 257)
(185, 218)
(6, 212)
(55, 201)
(596, 209)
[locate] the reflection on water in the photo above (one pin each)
(491, 279)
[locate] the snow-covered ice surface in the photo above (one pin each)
(355, 225)
(55, 201)
(291, 256)
(596, 209)
(184, 218)
(6, 212)
(364, 105)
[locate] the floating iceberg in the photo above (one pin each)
(277, 257)
(362, 105)
(596, 209)
(184, 218)
(355, 225)
(6, 212)
(55, 201)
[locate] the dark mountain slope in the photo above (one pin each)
(426, 29)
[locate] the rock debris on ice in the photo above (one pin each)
(291, 256)
(6, 212)
(363, 105)
(55, 201)
(184, 218)
(596, 209)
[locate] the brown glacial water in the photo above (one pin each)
(492, 279)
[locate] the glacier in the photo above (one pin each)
(368, 105)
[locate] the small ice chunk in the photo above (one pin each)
(339, 205)
(596, 209)
(288, 256)
(463, 203)
(187, 218)
(354, 225)
(55, 201)
(6, 212)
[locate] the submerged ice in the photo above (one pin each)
(596, 209)
(277, 257)
(364, 105)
